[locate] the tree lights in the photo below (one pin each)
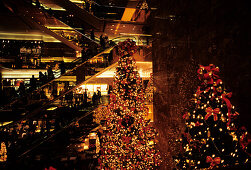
(3, 152)
(128, 140)
(213, 137)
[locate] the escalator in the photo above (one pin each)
(67, 18)
(80, 13)
(53, 142)
(25, 135)
(39, 18)
(73, 77)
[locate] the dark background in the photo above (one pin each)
(189, 33)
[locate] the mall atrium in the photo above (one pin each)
(124, 84)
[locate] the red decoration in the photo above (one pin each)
(245, 139)
(185, 116)
(215, 135)
(208, 73)
(127, 132)
(211, 112)
(212, 161)
(226, 100)
(51, 168)
(198, 123)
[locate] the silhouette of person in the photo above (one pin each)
(102, 41)
(99, 96)
(94, 98)
(33, 83)
(21, 89)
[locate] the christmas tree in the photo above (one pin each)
(3, 152)
(213, 137)
(149, 90)
(128, 141)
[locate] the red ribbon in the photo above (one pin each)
(210, 74)
(198, 123)
(211, 112)
(218, 82)
(245, 139)
(234, 116)
(185, 116)
(229, 105)
(198, 92)
(212, 161)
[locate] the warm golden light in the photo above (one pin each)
(127, 16)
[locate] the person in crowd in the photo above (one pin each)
(109, 89)
(62, 67)
(92, 34)
(94, 98)
(85, 97)
(50, 73)
(41, 77)
(21, 89)
(106, 41)
(33, 83)
(45, 77)
(102, 41)
(50, 12)
(83, 55)
(99, 97)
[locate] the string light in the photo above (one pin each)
(217, 123)
(129, 139)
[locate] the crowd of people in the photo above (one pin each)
(22, 136)
(23, 133)
(82, 99)
(11, 93)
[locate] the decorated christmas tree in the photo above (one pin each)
(149, 90)
(213, 137)
(128, 141)
(3, 152)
